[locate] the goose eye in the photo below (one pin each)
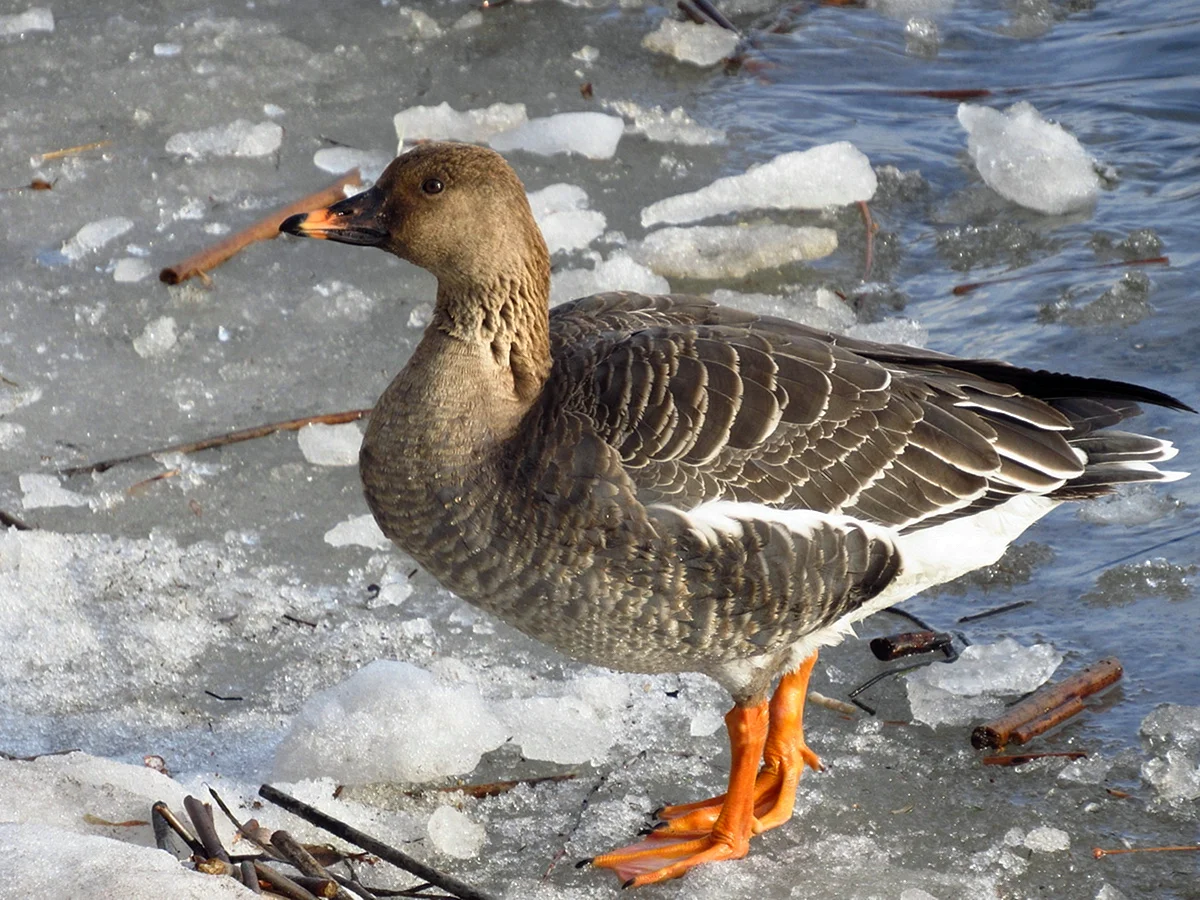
(433, 186)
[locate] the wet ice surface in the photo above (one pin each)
(256, 572)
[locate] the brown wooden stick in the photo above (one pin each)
(161, 815)
(1099, 852)
(8, 520)
(71, 151)
(289, 847)
(262, 230)
(1046, 707)
(1019, 759)
(281, 884)
(869, 252)
(202, 819)
(221, 440)
(894, 646)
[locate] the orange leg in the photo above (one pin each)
(784, 758)
(662, 856)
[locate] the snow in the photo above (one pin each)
(94, 235)
(700, 45)
(561, 211)
(1028, 160)
(157, 338)
(590, 134)
(46, 490)
(730, 251)
(390, 721)
(330, 445)
(130, 269)
(1045, 839)
(675, 127)
(338, 160)
(454, 834)
(239, 138)
(972, 686)
(358, 531)
(826, 175)
(444, 123)
(36, 18)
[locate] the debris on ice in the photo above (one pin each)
(444, 123)
(330, 445)
(700, 45)
(359, 531)
(453, 834)
(730, 251)
(675, 127)
(390, 721)
(46, 490)
(1045, 839)
(131, 269)
(336, 160)
(619, 272)
(238, 138)
(1028, 160)
(562, 213)
(591, 134)
(826, 175)
(36, 18)
(972, 686)
(94, 235)
(1171, 734)
(157, 338)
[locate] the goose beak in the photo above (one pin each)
(355, 220)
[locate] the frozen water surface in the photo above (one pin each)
(256, 574)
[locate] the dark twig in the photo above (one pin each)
(281, 884)
(221, 440)
(160, 811)
(869, 251)
(995, 611)
(249, 876)
(8, 520)
(1019, 759)
(383, 851)
(289, 847)
(202, 818)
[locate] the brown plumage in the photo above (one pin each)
(657, 483)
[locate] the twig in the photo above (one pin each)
(383, 851)
(832, 703)
(1019, 759)
(1099, 852)
(69, 151)
(202, 818)
(959, 289)
(221, 440)
(8, 520)
(281, 884)
(494, 788)
(249, 876)
(995, 611)
(907, 643)
(289, 847)
(160, 811)
(1046, 707)
(869, 252)
(264, 229)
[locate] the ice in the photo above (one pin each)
(238, 138)
(11, 434)
(444, 123)
(157, 338)
(330, 445)
(131, 269)
(418, 25)
(906, 9)
(358, 531)
(36, 18)
(730, 251)
(590, 134)
(565, 730)
(1125, 303)
(391, 721)
(619, 272)
(1088, 770)
(46, 490)
(1171, 734)
(94, 235)
(1108, 892)
(675, 127)
(816, 307)
(1129, 505)
(908, 332)
(1028, 160)
(336, 298)
(700, 45)
(165, 49)
(1156, 577)
(825, 175)
(971, 686)
(336, 160)
(1045, 839)
(561, 211)
(455, 835)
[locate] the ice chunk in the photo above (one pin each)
(157, 338)
(1047, 840)
(360, 531)
(330, 445)
(337, 160)
(700, 45)
(1129, 504)
(130, 269)
(1125, 303)
(591, 134)
(1088, 770)
(36, 18)
(11, 434)
(826, 175)
(418, 24)
(441, 123)
(1108, 892)
(564, 730)
(561, 211)
(390, 721)
(617, 273)
(238, 138)
(1028, 160)
(1171, 733)
(454, 834)
(46, 490)
(167, 49)
(730, 251)
(341, 299)
(955, 693)
(1149, 578)
(675, 127)
(94, 235)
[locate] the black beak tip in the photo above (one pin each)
(291, 225)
